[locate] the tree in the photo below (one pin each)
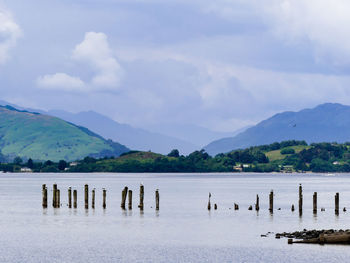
(62, 164)
(30, 163)
(18, 160)
(174, 153)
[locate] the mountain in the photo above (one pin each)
(192, 133)
(42, 137)
(329, 122)
(134, 138)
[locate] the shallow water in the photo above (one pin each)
(182, 231)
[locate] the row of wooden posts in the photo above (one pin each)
(126, 193)
(300, 203)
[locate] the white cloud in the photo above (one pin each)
(60, 81)
(95, 50)
(9, 33)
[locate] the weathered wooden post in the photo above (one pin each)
(93, 199)
(292, 208)
(271, 202)
(75, 198)
(314, 198)
(215, 206)
(54, 189)
(157, 199)
(104, 198)
(58, 205)
(86, 196)
(257, 207)
(44, 190)
(70, 197)
(300, 199)
(130, 200)
(236, 206)
(124, 195)
(141, 196)
(209, 205)
(336, 197)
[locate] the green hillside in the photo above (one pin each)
(42, 137)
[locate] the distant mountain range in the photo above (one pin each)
(328, 122)
(42, 137)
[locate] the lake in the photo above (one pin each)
(183, 230)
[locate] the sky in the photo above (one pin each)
(221, 64)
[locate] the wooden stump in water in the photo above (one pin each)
(236, 206)
(104, 198)
(75, 198)
(300, 199)
(271, 202)
(130, 200)
(292, 208)
(215, 206)
(86, 195)
(314, 205)
(70, 197)
(93, 199)
(336, 199)
(142, 189)
(54, 190)
(209, 204)
(124, 195)
(250, 208)
(157, 199)
(58, 198)
(257, 206)
(44, 192)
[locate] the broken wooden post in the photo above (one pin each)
(271, 202)
(54, 189)
(44, 192)
(70, 197)
(300, 199)
(157, 199)
(257, 207)
(93, 199)
(209, 205)
(142, 189)
(336, 197)
(236, 206)
(86, 196)
(215, 206)
(104, 198)
(75, 198)
(314, 203)
(124, 195)
(130, 200)
(58, 198)
(292, 208)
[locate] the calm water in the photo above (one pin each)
(182, 231)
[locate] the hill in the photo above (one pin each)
(134, 138)
(41, 137)
(328, 122)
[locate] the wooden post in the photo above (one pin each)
(209, 205)
(314, 198)
(93, 199)
(292, 208)
(130, 200)
(142, 189)
(157, 199)
(215, 206)
(124, 195)
(300, 199)
(271, 202)
(336, 203)
(104, 198)
(86, 196)
(54, 195)
(70, 197)
(75, 198)
(257, 207)
(58, 198)
(44, 191)
(236, 206)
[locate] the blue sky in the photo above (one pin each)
(219, 64)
